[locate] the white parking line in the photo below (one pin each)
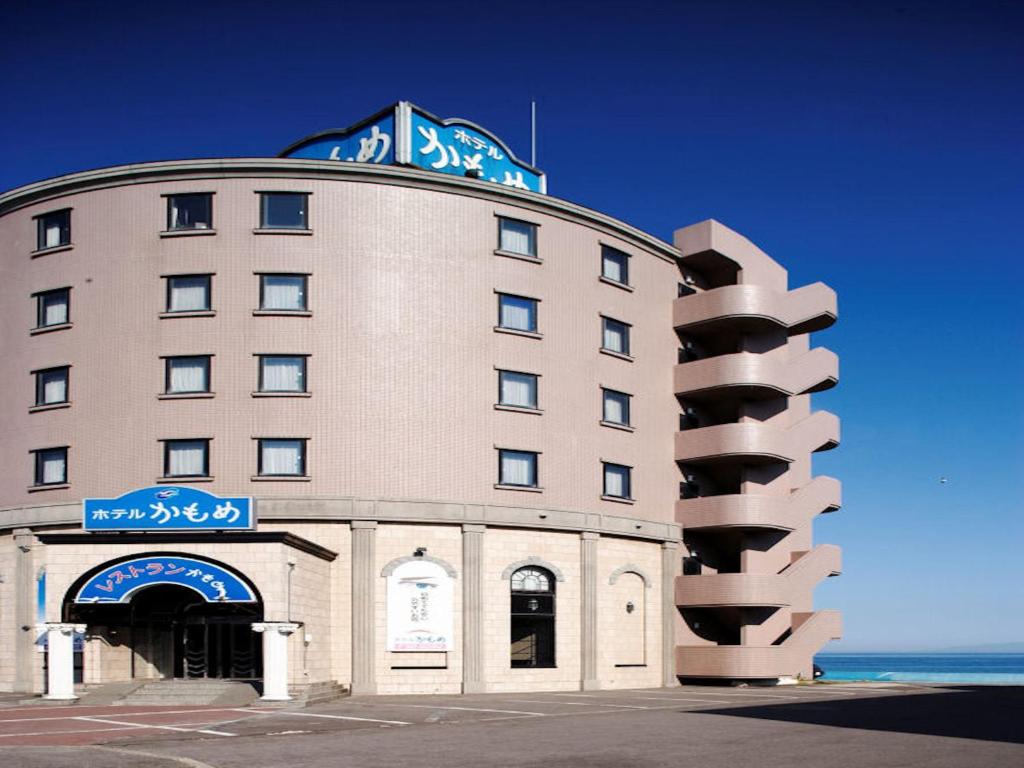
(161, 727)
(678, 698)
(465, 709)
(122, 714)
(577, 703)
(61, 733)
(328, 717)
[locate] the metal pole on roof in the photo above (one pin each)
(533, 133)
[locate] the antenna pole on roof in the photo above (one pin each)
(533, 133)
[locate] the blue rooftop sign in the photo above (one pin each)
(407, 135)
(168, 508)
(117, 583)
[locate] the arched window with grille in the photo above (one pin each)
(533, 617)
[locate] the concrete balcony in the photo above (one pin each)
(742, 590)
(757, 442)
(754, 308)
(761, 511)
(757, 376)
(789, 659)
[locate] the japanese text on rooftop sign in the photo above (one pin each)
(167, 508)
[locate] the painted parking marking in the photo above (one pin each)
(66, 733)
(126, 714)
(329, 717)
(578, 703)
(678, 698)
(464, 709)
(151, 725)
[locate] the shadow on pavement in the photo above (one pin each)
(967, 712)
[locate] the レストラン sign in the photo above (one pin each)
(407, 135)
(117, 583)
(168, 508)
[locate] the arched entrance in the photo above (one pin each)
(167, 616)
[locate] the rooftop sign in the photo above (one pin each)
(407, 135)
(168, 508)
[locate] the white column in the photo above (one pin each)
(60, 662)
(275, 658)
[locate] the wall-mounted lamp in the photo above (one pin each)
(420, 552)
(630, 607)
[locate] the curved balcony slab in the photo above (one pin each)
(754, 307)
(757, 376)
(757, 442)
(733, 590)
(761, 511)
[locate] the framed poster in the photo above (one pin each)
(419, 607)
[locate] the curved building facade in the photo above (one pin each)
(488, 440)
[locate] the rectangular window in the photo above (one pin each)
(614, 336)
(518, 237)
(52, 386)
(284, 210)
(187, 374)
(616, 407)
(517, 468)
(186, 458)
(517, 389)
(614, 265)
(51, 466)
(282, 457)
(283, 292)
(191, 211)
(188, 293)
(53, 308)
(617, 481)
(53, 229)
(280, 373)
(517, 313)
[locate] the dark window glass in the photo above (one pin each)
(53, 308)
(517, 389)
(614, 265)
(283, 292)
(192, 211)
(614, 336)
(187, 374)
(53, 229)
(617, 481)
(284, 210)
(186, 458)
(282, 373)
(281, 457)
(51, 466)
(517, 468)
(532, 618)
(517, 312)
(52, 386)
(518, 237)
(188, 293)
(616, 407)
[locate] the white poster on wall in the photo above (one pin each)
(419, 607)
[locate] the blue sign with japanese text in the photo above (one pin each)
(407, 135)
(168, 508)
(117, 583)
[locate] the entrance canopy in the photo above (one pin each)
(118, 582)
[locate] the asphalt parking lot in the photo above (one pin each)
(829, 725)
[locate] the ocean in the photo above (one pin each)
(967, 668)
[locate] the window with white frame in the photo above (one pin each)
(615, 407)
(188, 293)
(518, 237)
(190, 211)
(187, 374)
(51, 466)
(517, 313)
(52, 386)
(187, 458)
(284, 210)
(614, 265)
(516, 389)
(282, 373)
(614, 336)
(53, 307)
(283, 293)
(53, 229)
(281, 457)
(517, 468)
(617, 481)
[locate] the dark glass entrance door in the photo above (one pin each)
(218, 647)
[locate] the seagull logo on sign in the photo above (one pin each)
(167, 493)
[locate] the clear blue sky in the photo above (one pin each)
(877, 147)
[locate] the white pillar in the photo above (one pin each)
(275, 658)
(60, 662)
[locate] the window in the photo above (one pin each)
(284, 210)
(53, 229)
(517, 313)
(282, 457)
(614, 265)
(617, 479)
(517, 389)
(51, 466)
(192, 211)
(187, 374)
(53, 308)
(283, 292)
(614, 336)
(533, 617)
(52, 386)
(517, 468)
(279, 373)
(615, 407)
(517, 237)
(186, 458)
(188, 293)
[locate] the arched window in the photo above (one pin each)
(533, 617)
